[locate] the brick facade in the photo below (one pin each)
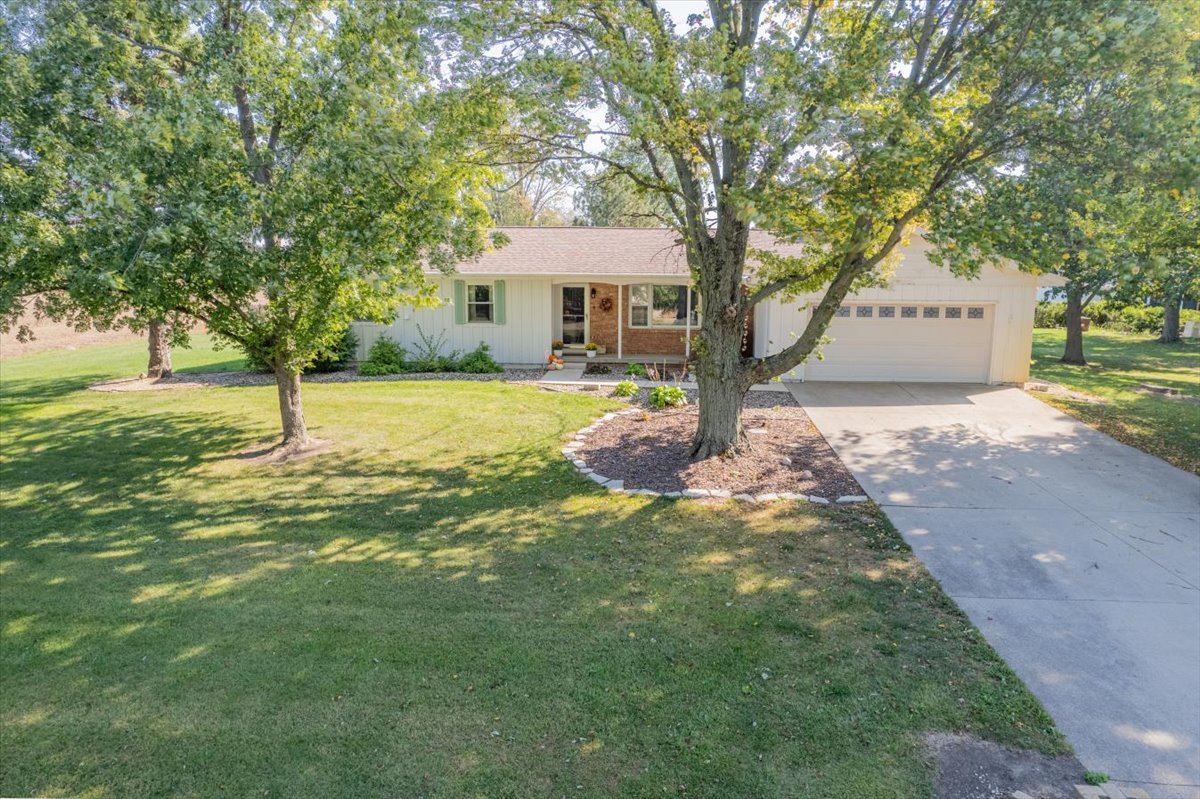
(634, 340)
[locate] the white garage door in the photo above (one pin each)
(949, 343)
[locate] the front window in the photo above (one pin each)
(652, 305)
(479, 302)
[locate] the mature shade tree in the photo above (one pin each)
(273, 169)
(1108, 207)
(1064, 217)
(841, 124)
(1168, 228)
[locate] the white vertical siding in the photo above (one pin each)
(523, 339)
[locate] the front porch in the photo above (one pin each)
(632, 319)
(577, 355)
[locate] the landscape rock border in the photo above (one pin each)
(571, 451)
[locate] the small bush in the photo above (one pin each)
(336, 358)
(428, 356)
(635, 370)
(626, 388)
(667, 397)
(1050, 314)
(479, 362)
(385, 358)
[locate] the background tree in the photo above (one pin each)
(1169, 242)
(1107, 207)
(610, 199)
(842, 124)
(529, 195)
(274, 170)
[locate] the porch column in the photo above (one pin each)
(687, 327)
(620, 318)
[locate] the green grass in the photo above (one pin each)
(441, 607)
(1117, 364)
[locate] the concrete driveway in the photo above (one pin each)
(1078, 557)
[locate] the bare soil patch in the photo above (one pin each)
(147, 384)
(970, 768)
(1044, 387)
(279, 453)
(787, 454)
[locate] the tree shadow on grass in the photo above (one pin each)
(417, 622)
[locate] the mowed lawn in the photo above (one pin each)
(441, 607)
(1118, 363)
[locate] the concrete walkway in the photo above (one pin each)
(1078, 557)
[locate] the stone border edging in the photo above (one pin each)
(571, 453)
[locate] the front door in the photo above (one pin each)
(574, 315)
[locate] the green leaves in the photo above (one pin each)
(276, 171)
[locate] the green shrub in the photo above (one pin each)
(479, 362)
(339, 356)
(667, 397)
(635, 370)
(626, 388)
(428, 356)
(1050, 314)
(336, 358)
(1110, 316)
(385, 358)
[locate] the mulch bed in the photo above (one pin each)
(788, 454)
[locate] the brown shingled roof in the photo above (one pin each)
(616, 251)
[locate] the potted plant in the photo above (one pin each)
(557, 348)
(590, 348)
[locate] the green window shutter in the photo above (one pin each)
(460, 302)
(498, 302)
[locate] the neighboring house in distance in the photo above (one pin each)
(627, 289)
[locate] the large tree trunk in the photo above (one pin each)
(291, 409)
(160, 350)
(1170, 328)
(1073, 353)
(722, 389)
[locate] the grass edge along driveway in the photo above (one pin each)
(441, 607)
(1117, 364)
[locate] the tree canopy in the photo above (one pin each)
(842, 125)
(275, 170)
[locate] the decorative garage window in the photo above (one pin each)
(842, 311)
(652, 305)
(864, 311)
(908, 312)
(931, 312)
(887, 311)
(954, 313)
(975, 313)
